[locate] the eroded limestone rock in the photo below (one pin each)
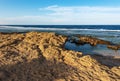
(41, 56)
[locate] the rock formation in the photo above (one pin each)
(82, 40)
(41, 56)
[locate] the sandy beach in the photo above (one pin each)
(41, 56)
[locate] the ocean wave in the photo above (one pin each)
(54, 29)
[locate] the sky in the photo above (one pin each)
(60, 12)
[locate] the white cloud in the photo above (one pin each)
(70, 15)
(84, 9)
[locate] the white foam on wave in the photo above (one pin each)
(54, 29)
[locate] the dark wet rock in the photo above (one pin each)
(75, 40)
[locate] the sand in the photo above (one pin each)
(41, 56)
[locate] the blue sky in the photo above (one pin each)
(60, 12)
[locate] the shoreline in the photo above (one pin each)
(42, 56)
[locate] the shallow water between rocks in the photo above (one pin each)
(88, 49)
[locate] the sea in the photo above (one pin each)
(106, 32)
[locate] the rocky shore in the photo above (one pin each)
(41, 56)
(82, 40)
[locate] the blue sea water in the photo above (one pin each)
(106, 32)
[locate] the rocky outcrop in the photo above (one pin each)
(93, 41)
(41, 56)
(114, 46)
(88, 40)
(82, 40)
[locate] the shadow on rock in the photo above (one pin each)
(36, 70)
(109, 61)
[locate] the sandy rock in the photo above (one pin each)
(114, 47)
(93, 41)
(36, 56)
